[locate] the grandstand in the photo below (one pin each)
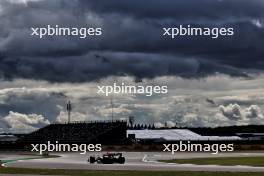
(7, 138)
(104, 132)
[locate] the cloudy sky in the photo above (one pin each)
(211, 82)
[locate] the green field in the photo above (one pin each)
(118, 173)
(226, 161)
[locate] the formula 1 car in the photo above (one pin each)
(108, 158)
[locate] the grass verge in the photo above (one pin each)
(4, 170)
(225, 161)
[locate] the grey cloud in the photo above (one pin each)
(31, 102)
(236, 112)
(18, 122)
(185, 104)
(254, 111)
(232, 111)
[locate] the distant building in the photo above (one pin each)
(251, 136)
(174, 135)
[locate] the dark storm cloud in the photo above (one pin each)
(134, 29)
(92, 67)
(182, 9)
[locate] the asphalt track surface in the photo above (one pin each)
(147, 161)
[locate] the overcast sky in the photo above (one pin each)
(211, 82)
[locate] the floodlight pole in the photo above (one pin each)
(69, 108)
(112, 107)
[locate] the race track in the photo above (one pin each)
(134, 161)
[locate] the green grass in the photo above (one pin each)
(118, 173)
(226, 161)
